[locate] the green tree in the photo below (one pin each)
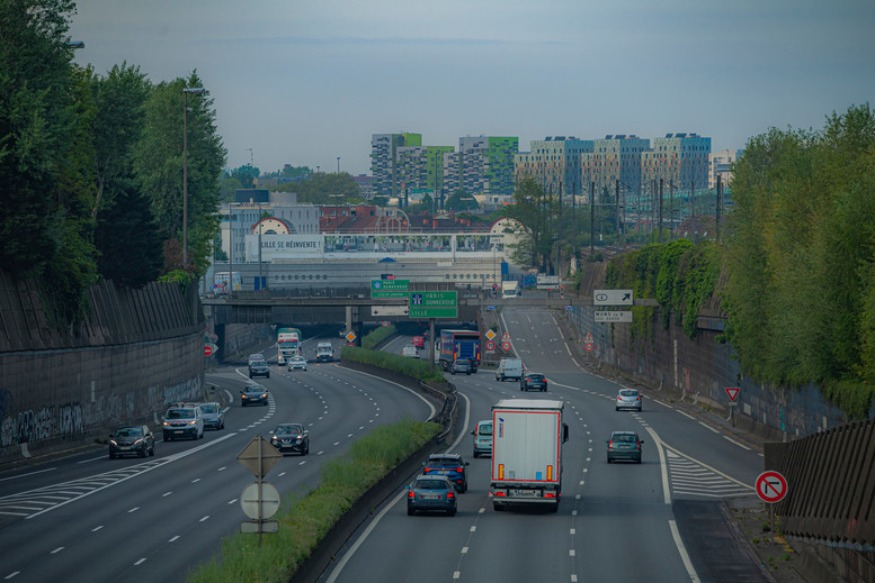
(158, 166)
(461, 201)
(533, 209)
(37, 123)
(325, 188)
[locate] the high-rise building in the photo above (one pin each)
(720, 164)
(386, 181)
(680, 160)
(484, 165)
(614, 158)
(554, 163)
(421, 170)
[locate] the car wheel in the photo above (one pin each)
(609, 459)
(451, 511)
(464, 487)
(112, 456)
(476, 455)
(152, 450)
(554, 508)
(498, 507)
(638, 461)
(616, 408)
(242, 404)
(267, 375)
(142, 452)
(410, 511)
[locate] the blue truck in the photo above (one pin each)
(459, 344)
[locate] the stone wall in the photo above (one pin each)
(136, 352)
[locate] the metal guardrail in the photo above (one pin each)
(830, 485)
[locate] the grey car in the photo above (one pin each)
(213, 414)
(629, 399)
(429, 493)
(625, 446)
(291, 438)
(132, 440)
(461, 366)
(186, 422)
(258, 366)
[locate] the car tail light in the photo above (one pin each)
(411, 494)
(460, 469)
(610, 444)
(549, 494)
(451, 495)
(426, 470)
(499, 494)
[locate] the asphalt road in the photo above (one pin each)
(658, 521)
(88, 518)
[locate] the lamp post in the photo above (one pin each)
(185, 92)
(338, 164)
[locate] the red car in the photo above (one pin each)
(419, 341)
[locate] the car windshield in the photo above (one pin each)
(298, 358)
(626, 438)
(129, 432)
(628, 393)
(485, 429)
(209, 408)
(289, 430)
(536, 377)
(180, 414)
(253, 389)
(444, 462)
(431, 485)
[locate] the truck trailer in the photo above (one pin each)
(459, 344)
(288, 344)
(527, 438)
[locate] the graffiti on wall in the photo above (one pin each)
(73, 418)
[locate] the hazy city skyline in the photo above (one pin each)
(304, 83)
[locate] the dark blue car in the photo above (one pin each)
(450, 465)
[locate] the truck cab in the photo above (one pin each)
(324, 352)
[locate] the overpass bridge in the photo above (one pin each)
(354, 306)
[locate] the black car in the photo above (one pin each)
(132, 440)
(450, 465)
(291, 438)
(624, 445)
(258, 366)
(253, 395)
(533, 381)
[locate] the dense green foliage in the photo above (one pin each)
(377, 335)
(679, 275)
(801, 293)
(324, 188)
(304, 521)
(417, 368)
(95, 165)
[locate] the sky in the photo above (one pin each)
(305, 82)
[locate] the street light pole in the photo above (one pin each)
(338, 164)
(185, 92)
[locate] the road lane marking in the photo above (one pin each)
(688, 565)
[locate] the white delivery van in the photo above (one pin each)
(482, 438)
(411, 351)
(509, 368)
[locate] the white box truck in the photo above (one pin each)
(527, 438)
(510, 289)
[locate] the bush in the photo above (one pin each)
(307, 519)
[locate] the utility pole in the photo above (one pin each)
(718, 205)
(660, 210)
(617, 218)
(591, 219)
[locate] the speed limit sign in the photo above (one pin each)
(505, 346)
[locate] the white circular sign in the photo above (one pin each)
(269, 501)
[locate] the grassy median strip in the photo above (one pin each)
(309, 518)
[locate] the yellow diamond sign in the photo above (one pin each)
(350, 336)
(490, 335)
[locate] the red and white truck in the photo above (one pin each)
(527, 438)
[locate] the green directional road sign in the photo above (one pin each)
(433, 304)
(389, 288)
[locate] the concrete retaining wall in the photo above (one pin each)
(136, 352)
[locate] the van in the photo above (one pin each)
(509, 368)
(482, 438)
(411, 351)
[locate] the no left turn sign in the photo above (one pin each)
(771, 487)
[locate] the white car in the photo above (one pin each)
(298, 362)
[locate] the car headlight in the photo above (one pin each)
(192, 422)
(166, 424)
(264, 395)
(113, 442)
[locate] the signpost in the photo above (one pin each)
(505, 346)
(612, 297)
(613, 316)
(490, 334)
(350, 337)
(433, 304)
(771, 487)
(732, 393)
(490, 346)
(390, 310)
(389, 288)
(260, 500)
(589, 342)
(208, 350)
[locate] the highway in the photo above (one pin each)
(658, 521)
(89, 518)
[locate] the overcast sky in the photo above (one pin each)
(302, 82)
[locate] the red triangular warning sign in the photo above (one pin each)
(732, 392)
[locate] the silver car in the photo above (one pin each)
(213, 414)
(297, 362)
(186, 422)
(629, 399)
(430, 493)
